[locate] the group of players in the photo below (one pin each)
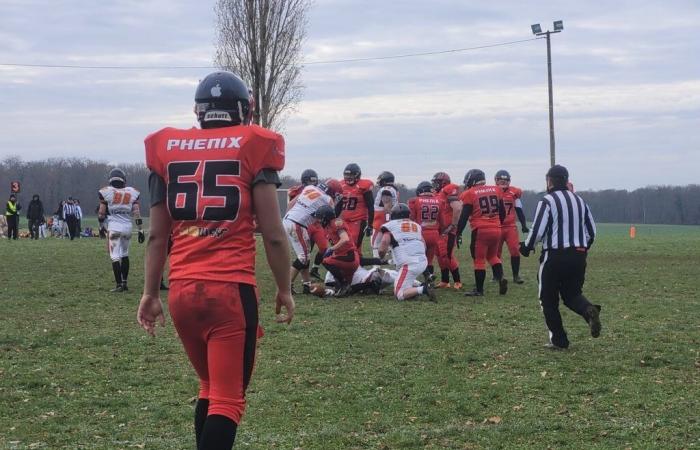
(335, 216)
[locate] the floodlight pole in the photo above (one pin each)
(551, 101)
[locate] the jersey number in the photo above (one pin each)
(408, 227)
(183, 196)
(488, 205)
(121, 198)
(429, 213)
(509, 207)
(349, 203)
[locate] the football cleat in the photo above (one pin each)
(474, 293)
(518, 280)
(442, 285)
(306, 288)
(430, 292)
(503, 286)
(593, 313)
(119, 288)
(314, 273)
(458, 285)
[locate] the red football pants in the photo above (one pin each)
(484, 247)
(342, 266)
(509, 235)
(432, 242)
(218, 325)
(447, 260)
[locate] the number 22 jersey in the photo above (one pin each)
(209, 177)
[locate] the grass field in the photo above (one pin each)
(77, 372)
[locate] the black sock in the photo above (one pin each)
(318, 259)
(367, 261)
(445, 275)
(479, 277)
(125, 269)
(493, 272)
(117, 269)
(515, 265)
(218, 434)
(455, 276)
(200, 416)
(498, 271)
(430, 269)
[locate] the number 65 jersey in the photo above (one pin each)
(209, 176)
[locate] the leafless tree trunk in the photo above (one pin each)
(261, 41)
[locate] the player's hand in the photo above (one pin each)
(284, 299)
(448, 230)
(525, 229)
(459, 241)
(368, 232)
(150, 311)
(142, 237)
(525, 251)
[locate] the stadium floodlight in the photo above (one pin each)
(558, 25)
(536, 28)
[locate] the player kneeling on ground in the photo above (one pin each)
(341, 258)
(364, 281)
(405, 239)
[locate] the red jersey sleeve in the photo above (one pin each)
(412, 207)
(451, 192)
(294, 191)
(467, 197)
(268, 154)
(153, 160)
(517, 192)
(365, 185)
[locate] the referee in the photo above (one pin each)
(564, 224)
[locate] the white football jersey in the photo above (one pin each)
(378, 198)
(120, 204)
(406, 241)
(307, 203)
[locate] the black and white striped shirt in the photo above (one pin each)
(562, 220)
(68, 209)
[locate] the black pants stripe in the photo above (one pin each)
(250, 311)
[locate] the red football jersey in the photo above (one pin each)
(353, 201)
(484, 201)
(448, 193)
(294, 191)
(426, 210)
(333, 235)
(510, 195)
(209, 178)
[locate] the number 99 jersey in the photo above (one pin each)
(485, 203)
(120, 204)
(209, 176)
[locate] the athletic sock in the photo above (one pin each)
(479, 277)
(125, 268)
(318, 259)
(515, 265)
(117, 269)
(455, 276)
(421, 290)
(200, 416)
(445, 275)
(498, 271)
(219, 433)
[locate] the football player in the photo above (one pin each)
(118, 204)
(483, 207)
(356, 206)
(426, 210)
(404, 237)
(509, 232)
(316, 234)
(341, 258)
(365, 281)
(300, 215)
(387, 197)
(451, 208)
(206, 185)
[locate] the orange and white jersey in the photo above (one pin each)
(120, 205)
(308, 202)
(406, 241)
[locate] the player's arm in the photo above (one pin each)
(384, 244)
(369, 201)
(463, 218)
(456, 206)
(501, 211)
(539, 226)
(102, 211)
(276, 244)
(343, 239)
(590, 227)
(521, 215)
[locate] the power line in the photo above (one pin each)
(307, 63)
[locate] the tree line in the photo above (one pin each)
(56, 179)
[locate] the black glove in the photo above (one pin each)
(368, 231)
(459, 241)
(525, 229)
(524, 250)
(142, 237)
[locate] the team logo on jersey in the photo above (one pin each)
(216, 90)
(203, 232)
(204, 144)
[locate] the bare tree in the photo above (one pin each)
(261, 41)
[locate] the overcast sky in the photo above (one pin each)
(626, 86)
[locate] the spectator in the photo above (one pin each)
(35, 215)
(12, 215)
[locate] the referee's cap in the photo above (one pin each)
(557, 171)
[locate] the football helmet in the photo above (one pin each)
(117, 178)
(423, 187)
(502, 178)
(400, 211)
(352, 173)
(331, 187)
(222, 99)
(324, 214)
(473, 177)
(440, 180)
(385, 179)
(309, 176)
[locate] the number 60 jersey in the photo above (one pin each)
(209, 176)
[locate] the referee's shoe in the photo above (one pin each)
(593, 319)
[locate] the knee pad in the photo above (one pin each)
(297, 264)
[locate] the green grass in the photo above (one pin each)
(77, 372)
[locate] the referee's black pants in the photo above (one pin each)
(72, 225)
(562, 272)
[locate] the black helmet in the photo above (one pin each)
(400, 211)
(557, 171)
(117, 178)
(423, 187)
(385, 178)
(222, 100)
(309, 176)
(502, 175)
(324, 214)
(474, 176)
(440, 180)
(352, 173)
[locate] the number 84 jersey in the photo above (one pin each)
(120, 204)
(209, 176)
